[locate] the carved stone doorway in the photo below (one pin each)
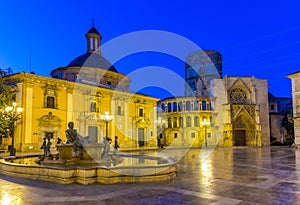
(240, 138)
(49, 124)
(239, 132)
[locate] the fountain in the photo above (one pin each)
(78, 161)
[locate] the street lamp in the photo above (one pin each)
(13, 114)
(160, 123)
(204, 124)
(106, 118)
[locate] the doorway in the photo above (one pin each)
(141, 137)
(240, 138)
(93, 134)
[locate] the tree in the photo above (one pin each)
(7, 97)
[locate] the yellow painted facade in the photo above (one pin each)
(81, 92)
(133, 114)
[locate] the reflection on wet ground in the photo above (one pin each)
(118, 161)
(269, 175)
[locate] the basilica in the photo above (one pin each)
(87, 92)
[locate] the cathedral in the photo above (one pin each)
(85, 92)
(216, 110)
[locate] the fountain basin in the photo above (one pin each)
(89, 174)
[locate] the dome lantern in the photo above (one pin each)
(93, 38)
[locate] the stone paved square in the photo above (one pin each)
(235, 175)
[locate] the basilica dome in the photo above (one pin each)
(92, 68)
(92, 60)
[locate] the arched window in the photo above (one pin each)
(174, 105)
(188, 106)
(180, 122)
(163, 107)
(196, 121)
(203, 104)
(238, 96)
(169, 107)
(50, 102)
(180, 106)
(169, 122)
(188, 122)
(175, 122)
(196, 105)
(93, 107)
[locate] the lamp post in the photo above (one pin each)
(106, 118)
(204, 124)
(13, 114)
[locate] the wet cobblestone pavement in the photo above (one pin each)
(269, 175)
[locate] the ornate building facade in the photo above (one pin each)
(246, 112)
(81, 92)
(236, 114)
(216, 111)
(182, 121)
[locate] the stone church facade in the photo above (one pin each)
(216, 110)
(236, 114)
(246, 112)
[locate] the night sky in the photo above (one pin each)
(255, 38)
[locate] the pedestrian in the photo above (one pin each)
(116, 145)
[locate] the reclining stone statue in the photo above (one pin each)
(76, 139)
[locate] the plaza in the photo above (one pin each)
(229, 175)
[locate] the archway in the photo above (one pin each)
(49, 125)
(243, 128)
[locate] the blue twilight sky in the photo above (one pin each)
(256, 38)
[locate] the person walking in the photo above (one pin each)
(116, 145)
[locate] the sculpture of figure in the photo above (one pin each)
(74, 138)
(71, 133)
(48, 153)
(106, 147)
(59, 140)
(44, 146)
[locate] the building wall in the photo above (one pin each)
(295, 80)
(182, 119)
(73, 102)
(242, 107)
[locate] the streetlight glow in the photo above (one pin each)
(106, 118)
(205, 123)
(13, 114)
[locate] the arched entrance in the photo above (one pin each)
(49, 125)
(243, 134)
(239, 134)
